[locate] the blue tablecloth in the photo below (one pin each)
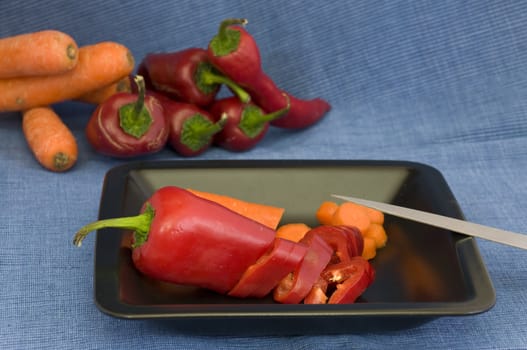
(438, 82)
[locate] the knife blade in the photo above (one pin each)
(514, 239)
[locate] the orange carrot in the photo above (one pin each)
(50, 140)
(351, 214)
(100, 95)
(325, 212)
(370, 249)
(45, 52)
(376, 216)
(378, 234)
(99, 65)
(265, 214)
(292, 231)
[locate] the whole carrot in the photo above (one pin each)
(98, 96)
(50, 140)
(38, 53)
(99, 65)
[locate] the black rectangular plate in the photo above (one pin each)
(422, 273)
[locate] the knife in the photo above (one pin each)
(461, 226)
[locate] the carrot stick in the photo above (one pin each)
(325, 212)
(265, 214)
(292, 231)
(100, 95)
(50, 140)
(370, 249)
(351, 214)
(99, 65)
(378, 234)
(38, 53)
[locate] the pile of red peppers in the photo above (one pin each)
(177, 101)
(185, 239)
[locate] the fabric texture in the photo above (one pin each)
(438, 82)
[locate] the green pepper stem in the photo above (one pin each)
(277, 114)
(139, 223)
(134, 118)
(141, 91)
(226, 23)
(210, 78)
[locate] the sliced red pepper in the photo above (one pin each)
(350, 279)
(346, 241)
(293, 288)
(260, 278)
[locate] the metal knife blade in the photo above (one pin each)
(514, 239)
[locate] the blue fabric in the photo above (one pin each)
(438, 82)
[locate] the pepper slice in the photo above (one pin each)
(347, 281)
(293, 288)
(260, 278)
(346, 241)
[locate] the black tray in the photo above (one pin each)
(423, 272)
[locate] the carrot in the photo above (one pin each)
(38, 53)
(265, 214)
(370, 249)
(50, 140)
(378, 234)
(376, 216)
(292, 231)
(100, 95)
(325, 212)
(351, 214)
(99, 65)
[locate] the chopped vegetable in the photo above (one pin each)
(326, 211)
(50, 140)
(292, 231)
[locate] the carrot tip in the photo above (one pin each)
(61, 161)
(71, 51)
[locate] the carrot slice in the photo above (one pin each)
(50, 140)
(98, 65)
(292, 231)
(325, 212)
(378, 234)
(37, 53)
(351, 214)
(267, 215)
(370, 248)
(376, 216)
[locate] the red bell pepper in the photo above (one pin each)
(187, 76)
(128, 124)
(246, 123)
(191, 129)
(293, 288)
(234, 52)
(182, 238)
(260, 278)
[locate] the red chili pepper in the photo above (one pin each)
(293, 288)
(260, 278)
(182, 238)
(346, 241)
(191, 129)
(187, 76)
(246, 123)
(350, 279)
(235, 53)
(128, 124)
